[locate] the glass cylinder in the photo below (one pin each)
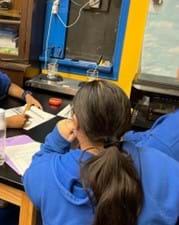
(52, 70)
(92, 74)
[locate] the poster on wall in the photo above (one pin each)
(160, 54)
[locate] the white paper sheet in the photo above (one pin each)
(66, 112)
(36, 116)
(21, 155)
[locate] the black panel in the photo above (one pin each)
(93, 36)
(149, 104)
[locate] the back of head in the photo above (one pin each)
(103, 113)
(102, 109)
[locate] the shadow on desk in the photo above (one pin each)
(10, 215)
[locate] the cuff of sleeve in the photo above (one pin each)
(59, 137)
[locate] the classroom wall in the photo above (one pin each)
(130, 60)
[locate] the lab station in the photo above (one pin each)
(89, 97)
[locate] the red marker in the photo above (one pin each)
(55, 101)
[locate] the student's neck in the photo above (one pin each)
(89, 148)
(87, 145)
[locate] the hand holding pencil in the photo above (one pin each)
(19, 120)
(16, 121)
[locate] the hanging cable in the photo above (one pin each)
(78, 17)
(66, 26)
(46, 44)
(75, 3)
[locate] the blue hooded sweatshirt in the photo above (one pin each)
(53, 184)
(163, 135)
(4, 84)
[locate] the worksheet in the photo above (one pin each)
(36, 116)
(66, 112)
(20, 156)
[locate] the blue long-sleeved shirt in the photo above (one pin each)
(163, 135)
(53, 183)
(4, 84)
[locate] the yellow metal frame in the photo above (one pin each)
(130, 60)
(133, 43)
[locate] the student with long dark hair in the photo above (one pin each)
(106, 180)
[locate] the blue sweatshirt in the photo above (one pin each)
(4, 84)
(53, 184)
(163, 135)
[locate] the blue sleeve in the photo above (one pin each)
(5, 83)
(54, 143)
(163, 135)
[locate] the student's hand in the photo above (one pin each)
(67, 129)
(30, 100)
(16, 121)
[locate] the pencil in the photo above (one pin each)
(27, 108)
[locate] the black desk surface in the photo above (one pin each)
(7, 175)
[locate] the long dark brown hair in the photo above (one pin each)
(103, 113)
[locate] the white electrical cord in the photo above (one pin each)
(66, 26)
(78, 17)
(76, 3)
(46, 44)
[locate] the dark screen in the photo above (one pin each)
(93, 37)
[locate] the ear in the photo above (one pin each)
(75, 121)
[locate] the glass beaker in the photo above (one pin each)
(52, 70)
(92, 74)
